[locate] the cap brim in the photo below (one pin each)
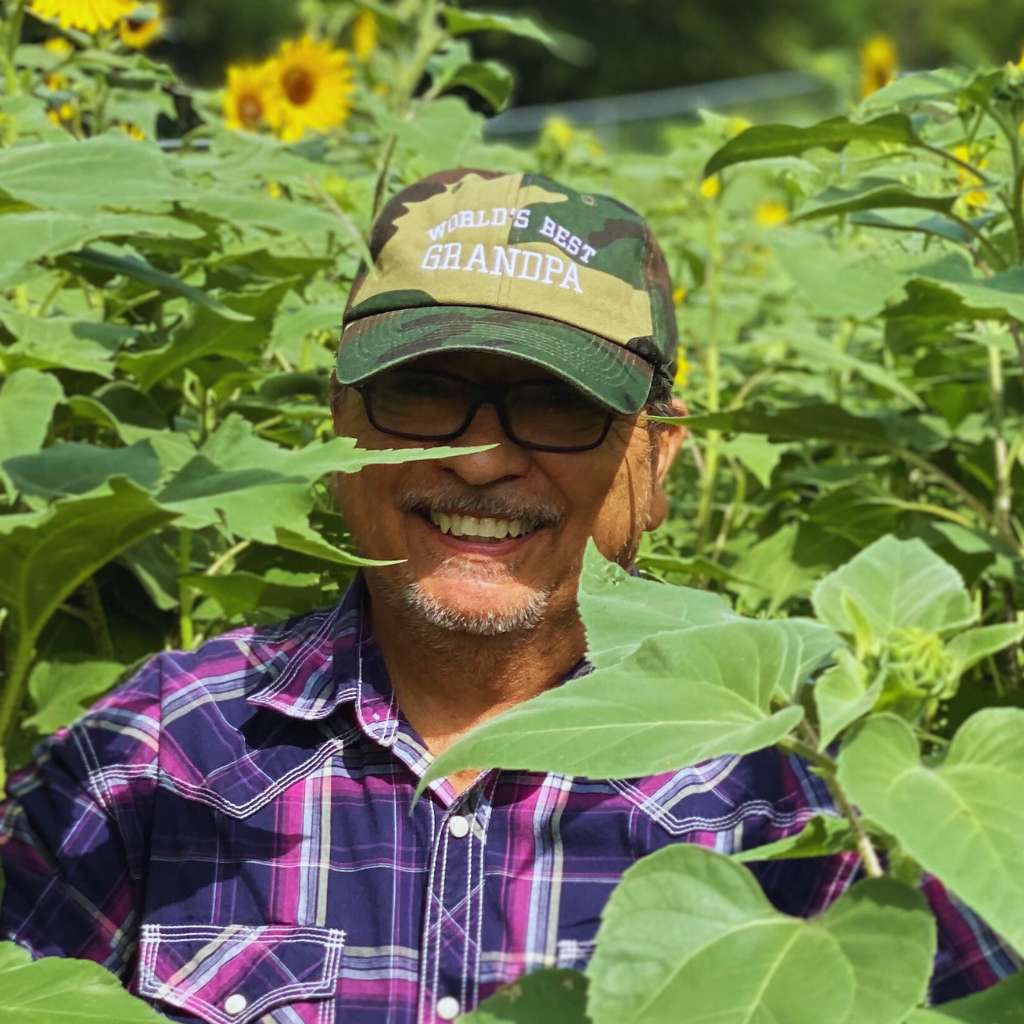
(603, 369)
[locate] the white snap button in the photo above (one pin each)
(235, 1003)
(448, 1006)
(458, 826)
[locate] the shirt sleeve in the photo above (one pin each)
(970, 956)
(73, 831)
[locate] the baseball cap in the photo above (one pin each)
(519, 265)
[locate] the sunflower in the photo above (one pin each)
(138, 32)
(58, 45)
(88, 15)
(710, 187)
(312, 85)
(770, 213)
(249, 96)
(364, 35)
(877, 63)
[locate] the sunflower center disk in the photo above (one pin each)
(250, 110)
(298, 85)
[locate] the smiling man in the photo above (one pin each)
(233, 831)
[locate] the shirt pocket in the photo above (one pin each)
(237, 974)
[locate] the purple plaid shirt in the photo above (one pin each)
(232, 833)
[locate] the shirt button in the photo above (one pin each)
(236, 1003)
(458, 826)
(448, 1006)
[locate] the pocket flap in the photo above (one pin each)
(233, 974)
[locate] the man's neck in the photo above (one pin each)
(447, 682)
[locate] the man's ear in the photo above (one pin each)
(668, 441)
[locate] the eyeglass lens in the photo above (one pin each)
(434, 406)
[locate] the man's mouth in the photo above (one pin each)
(480, 527)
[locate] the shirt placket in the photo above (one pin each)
(451, 947)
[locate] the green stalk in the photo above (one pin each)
(12, 694)
(829, 772)
(1002, 508)
(98, 619)
(713, 439)
(14, 24)
(186, 596)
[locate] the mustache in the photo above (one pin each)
(481, 504)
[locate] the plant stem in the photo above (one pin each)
(829, 773)
(223, 560)
(12, 694)
(13, 23)
(98, 619)
(713, 440)
(1002, 503)
(185, 593)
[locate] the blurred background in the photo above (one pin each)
(784, 58)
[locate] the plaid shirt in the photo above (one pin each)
(232, 833)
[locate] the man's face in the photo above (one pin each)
(487, 585)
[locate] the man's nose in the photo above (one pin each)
(504, 460)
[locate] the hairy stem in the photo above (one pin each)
(829, 773)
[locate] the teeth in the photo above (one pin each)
(472, 526)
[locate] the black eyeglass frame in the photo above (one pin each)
(480, 394)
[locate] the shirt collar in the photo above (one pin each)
(325, 660)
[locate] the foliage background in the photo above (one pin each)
(170, 292)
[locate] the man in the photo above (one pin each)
(232, 831)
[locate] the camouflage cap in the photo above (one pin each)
(520, 265)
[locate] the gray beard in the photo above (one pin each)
(431, 613)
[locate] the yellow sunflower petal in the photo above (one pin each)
(138, 33)
(364, 35)
(878, 62)
(771, 213)
(710, 187)
(88, 15)
(248, 97)
(312, 83)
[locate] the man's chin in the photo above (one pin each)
(477, 606)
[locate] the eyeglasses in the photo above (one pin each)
(426, 405)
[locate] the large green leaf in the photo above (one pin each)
(813, 421)
(822, 836)
(540, 997)
(27, 401)
(63, 690)
(1000, 1004)
(894, 584)
(32, 234)
(871, 194)
(259, 486)
(1000, 295)
(70, 467)
(831, 283)
(775, 140)
(59, 990)
(241, 592)
(842, 695)
(961, 820)
(977, 644)
(210, 333)
(46, 555)
(680, 698)
(620, 610)
(460, 22)
(140, 270)
(106, 172)
(64, 343)
(689, 937)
